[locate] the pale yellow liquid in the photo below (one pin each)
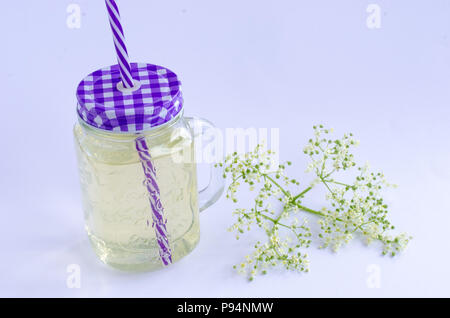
(116, 204)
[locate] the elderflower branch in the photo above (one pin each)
(355, 208)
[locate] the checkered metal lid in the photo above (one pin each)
(105, 104)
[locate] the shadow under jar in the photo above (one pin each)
(116, 200)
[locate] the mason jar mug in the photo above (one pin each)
(138, 170)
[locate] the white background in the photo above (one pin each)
(282, 64)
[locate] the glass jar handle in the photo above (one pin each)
(206, 134)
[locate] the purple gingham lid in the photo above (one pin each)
(102, 105)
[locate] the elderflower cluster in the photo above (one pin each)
(329, 155)
(278, 250)
(355, 209)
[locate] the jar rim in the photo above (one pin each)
(149, 131)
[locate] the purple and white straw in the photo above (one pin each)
(159, 223)
(119, 42)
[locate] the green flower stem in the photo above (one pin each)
(304, 208)
(301, 194)
(275, 221)
(326, 185)
(301, 207)
(340, 183)
(276, 184)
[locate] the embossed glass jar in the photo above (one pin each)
(118, 191)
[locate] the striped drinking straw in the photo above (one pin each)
(119, 43)
(155, 201)
(157, 208)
